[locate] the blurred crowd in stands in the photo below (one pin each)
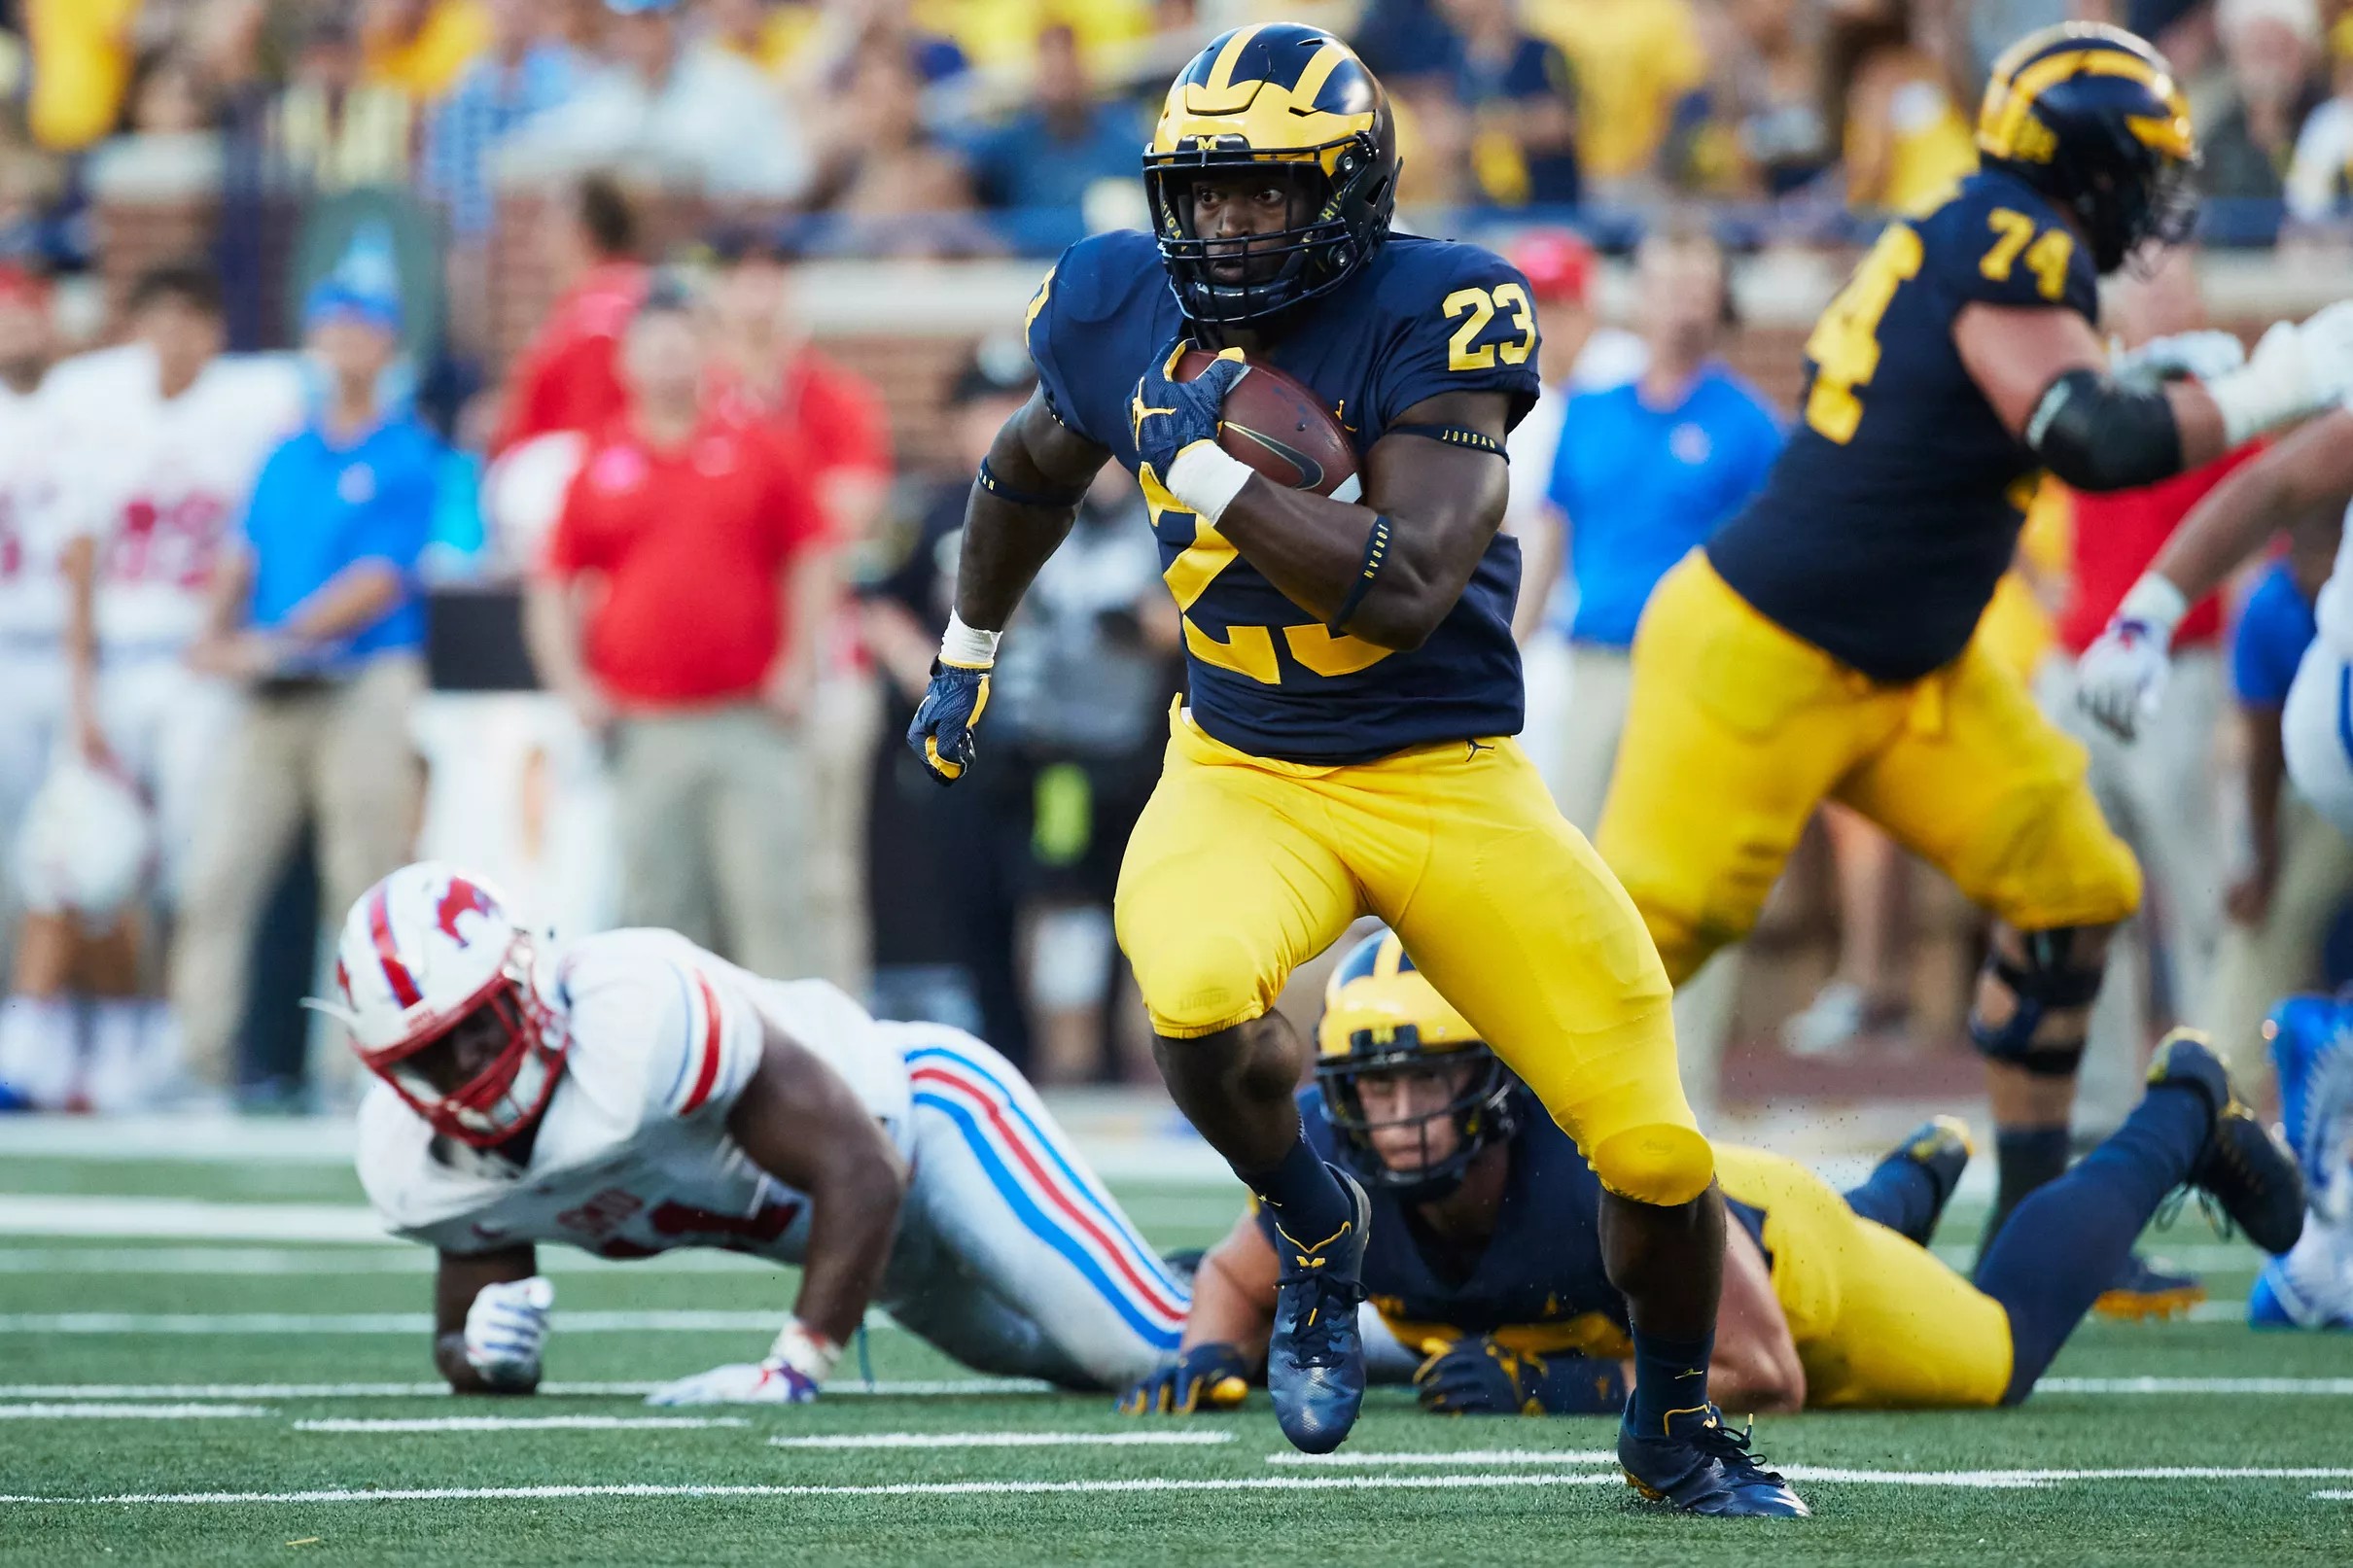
(626, 601)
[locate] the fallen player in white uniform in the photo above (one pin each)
(635, 1093)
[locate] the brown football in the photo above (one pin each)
(1279, 427)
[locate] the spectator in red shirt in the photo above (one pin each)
(680, 610)
(832, 420)
(567, 379)
(2163, 792)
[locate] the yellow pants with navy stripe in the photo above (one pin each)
(1878, 1322)
(1242, 868)
(1737, 730)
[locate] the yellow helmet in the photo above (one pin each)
(1283, 99)
(1382, 1015)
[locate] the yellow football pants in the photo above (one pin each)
(1737, 730)
(1878, 1322)
(1242, 868)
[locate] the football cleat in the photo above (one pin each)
(2146, 1288)
(1315, 1360)
(1702, 1466)
(2313, 1052)
(2275, 1303)
(1942, 1148)
(2246, 1167)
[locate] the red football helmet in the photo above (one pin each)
(440, 991)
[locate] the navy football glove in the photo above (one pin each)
(1171, 415)
(942, 731)
(1477, 1376)
(1205, 1377)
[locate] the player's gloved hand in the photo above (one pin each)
(2121, 678)
(1474, 1376)
(1201, 1378)
(944, 720)
(742, 1383)
(2296, 370)
(1176, 429)
(2205, 354)
(506, 1328)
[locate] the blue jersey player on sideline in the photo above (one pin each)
(1820, 645)
(1354, 694)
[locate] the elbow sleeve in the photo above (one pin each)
(2097, 435)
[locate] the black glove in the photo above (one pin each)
(1205, 1376)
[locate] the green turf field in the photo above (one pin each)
(203, 1401)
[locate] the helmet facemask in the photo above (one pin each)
(1343, 188)
(1481, 1111)
(486, 1072)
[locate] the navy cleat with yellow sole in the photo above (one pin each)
(2149, 1288)
(2247, 1169)
(1941, 1147)
(1702, 1466)
(1315, 1360)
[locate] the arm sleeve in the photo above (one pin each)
(794, 510)
(707, 1045)
(570, 547)
(1046, 350)
(854, 429)
(1469, 326)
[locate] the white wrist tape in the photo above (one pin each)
(2156, 603)
(2273, 388)
(1207, 477)
(967, 646)
(805, 1350)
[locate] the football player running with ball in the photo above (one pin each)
(1353, 692)
(1820, 645)
(635, 1093)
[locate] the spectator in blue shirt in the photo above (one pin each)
(2299, 867)
(319, 619)
(1068, 140)
(1644, 473)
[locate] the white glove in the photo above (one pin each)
(2295, 370)
(742, 1383)
(504, 1329)
(2122, 676)
(2206, 355)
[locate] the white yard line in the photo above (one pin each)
(93, 1410)
(1176, 1439)
(525, 1423)
(186, 1219)
(677, 1321)
(390, 1257)
(1987, 1479)
(944, 1387)
(2326, 1387)
(935, 1488)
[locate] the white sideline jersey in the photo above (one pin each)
(2333, 608)
(162, 484)
(633, 1156)
(32, 596)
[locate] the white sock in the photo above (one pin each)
(39, 1044)
(118, 1080)
(2320, 1265)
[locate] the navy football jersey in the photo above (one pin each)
(1421, 317)
(1881, 533)
(1538, 1283)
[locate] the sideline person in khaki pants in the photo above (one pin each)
(318, 619)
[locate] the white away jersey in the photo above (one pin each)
(32, 596)
(633, 1156)
(161, 484)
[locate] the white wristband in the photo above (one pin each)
(804, 1350)
(1207, 477)
(967, 646)
(2157, 604)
